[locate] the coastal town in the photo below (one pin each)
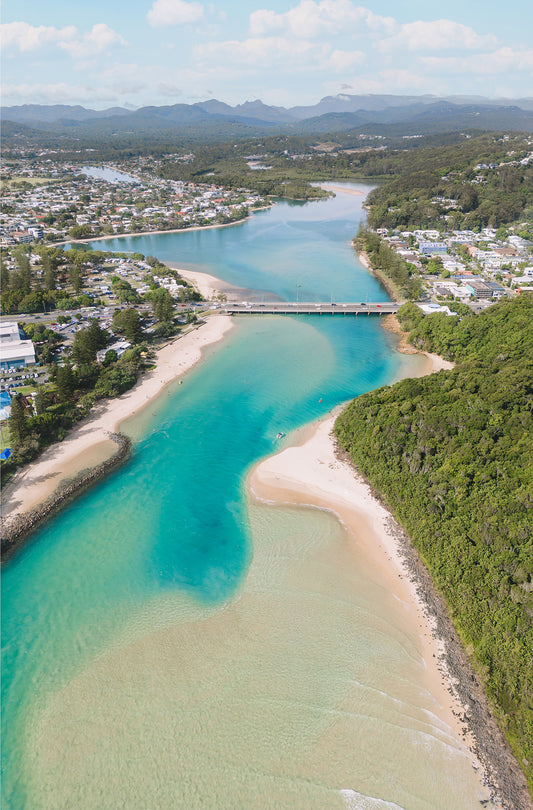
(49, 200)
(52, 287)
(465, 266)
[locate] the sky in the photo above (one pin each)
(134, 53)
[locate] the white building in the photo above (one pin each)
(14, 352)
(119, 347)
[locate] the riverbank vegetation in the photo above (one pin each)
(73, 388)
(482, 174)
(451, 455)
(400, 277)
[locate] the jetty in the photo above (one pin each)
(310, 308)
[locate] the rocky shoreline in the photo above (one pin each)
(503, 776)
(14, 531)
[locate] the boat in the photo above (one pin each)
(280, 435)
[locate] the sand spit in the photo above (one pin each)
(354, 192)
(207, 285)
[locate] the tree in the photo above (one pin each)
(65, 382)
(49, 270)
(24, 270)
(18, 429)
(129, 323)
(75, 275)
(162, 304)
(110, 358)
(41, 400)
(79, 231)
(4, 272)
(87, 342)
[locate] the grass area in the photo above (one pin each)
(26, 389)
(33, 181)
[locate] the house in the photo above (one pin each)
(432, 247)
(119, 347)
(431, 309)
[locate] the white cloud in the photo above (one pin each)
(497, 62)
(174, 12)
(97, 40)
(28, 37)
(341, 61)
(437, 35)
(273, 53)
(309, 20)
(259, 52)
(404, 80)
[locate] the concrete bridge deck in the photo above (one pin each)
(310, 308)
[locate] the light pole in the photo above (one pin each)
(298, 285)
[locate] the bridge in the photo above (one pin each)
(310, 308)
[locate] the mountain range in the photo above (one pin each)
(371, 114)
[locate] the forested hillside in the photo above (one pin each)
(452, 456)
(486, 181)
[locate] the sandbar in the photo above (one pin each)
(355, 192)
(207, 285)
(89, 444)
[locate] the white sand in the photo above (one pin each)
(88, 444)
(311, 473)
(208, 286)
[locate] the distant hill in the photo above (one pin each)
(423, 118)
(387, 114)
(42, 113)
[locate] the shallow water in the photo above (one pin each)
(169, 645)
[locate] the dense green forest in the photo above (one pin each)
(452, 456)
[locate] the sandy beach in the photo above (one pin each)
(88, 445)
(208, 286)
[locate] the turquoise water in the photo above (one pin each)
(293, 243)
(160, 634)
